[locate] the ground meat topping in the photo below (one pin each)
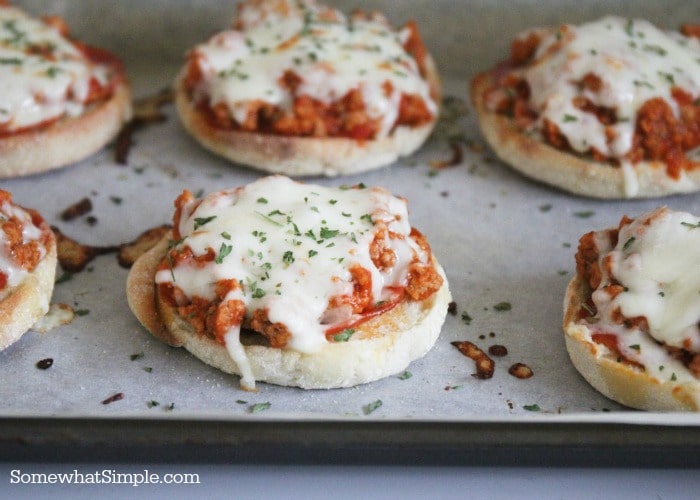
(304, 69)
(24, 240)
(643, 281)
(619, 90)
(300, 268)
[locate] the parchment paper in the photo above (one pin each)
(500, 237)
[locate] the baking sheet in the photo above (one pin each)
(501, 239)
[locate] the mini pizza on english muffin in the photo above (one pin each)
(632, 312)
(60, 100)
(293, 284)
(27, 269)
(606, 109)
(299, 88)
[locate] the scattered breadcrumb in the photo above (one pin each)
(77, 209)
(115, 397)
(129, 252)
(520, 370)
(484, 365)
(498, 350)
(74, 256)
(44, 364)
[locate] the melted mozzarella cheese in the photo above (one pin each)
(42, 75)
(8, 265)
(57, 315)
(292, 247)
(634, 60)
(657, 261)
(330, 53)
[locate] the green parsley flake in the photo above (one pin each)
(641, 83)
(373, 406)
(200, 221)
(223, 252)
(53, 71)
(329, 233)
(628, 243)
(668, 77)
(268, 219)
(258, 293)
(343, 336)
(466, 319)
(503, 306)
(258, 407)
(532, 407)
